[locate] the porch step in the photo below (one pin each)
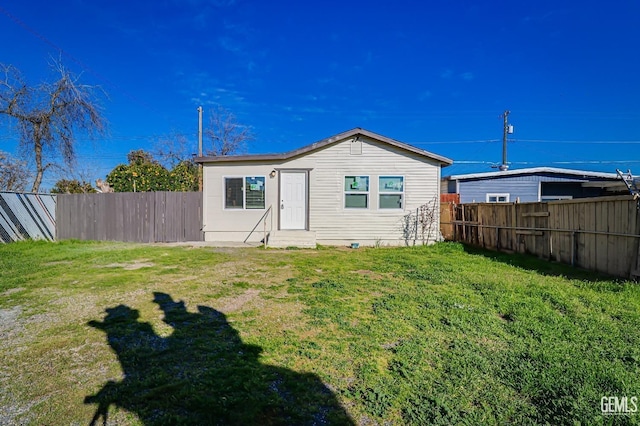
(293, 238)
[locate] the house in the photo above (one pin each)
(532, 185)
(354, 187)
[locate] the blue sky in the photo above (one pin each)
(434, 74)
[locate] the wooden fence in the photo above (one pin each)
(600, 234)
(135, 216)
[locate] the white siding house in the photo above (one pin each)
(354, 187)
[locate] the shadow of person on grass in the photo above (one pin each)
(203, 374)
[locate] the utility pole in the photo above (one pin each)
(506, 129)
(200, 169)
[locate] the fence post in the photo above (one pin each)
(464, 226)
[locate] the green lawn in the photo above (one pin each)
(143, 335)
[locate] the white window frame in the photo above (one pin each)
(498, 195)
(345, 193)
(244, 193)
(381, 191)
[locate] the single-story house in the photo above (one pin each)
(354, 187)
(532, 185)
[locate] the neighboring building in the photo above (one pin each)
(531, 185)
(354, 187)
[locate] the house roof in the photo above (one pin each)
(320, 144)
(534, 170)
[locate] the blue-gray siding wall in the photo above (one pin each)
(524, 187)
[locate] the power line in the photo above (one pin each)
(549, 162)
(577, 142)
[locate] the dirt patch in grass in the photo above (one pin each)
(232, 304)
(58, 262)
(10, 326)
(12, 291)
(131, 266)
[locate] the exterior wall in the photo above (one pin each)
(475, 191)
(526, 188)
(220, 224)
(327, 216)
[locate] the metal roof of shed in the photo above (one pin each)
(534, 170)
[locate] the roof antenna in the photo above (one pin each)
(630, 182)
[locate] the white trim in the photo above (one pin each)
(244, 192)
(539, 190)
(497, 195)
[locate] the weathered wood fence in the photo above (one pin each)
(145, 217)
(600, 234)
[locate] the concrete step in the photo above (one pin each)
(292, 238)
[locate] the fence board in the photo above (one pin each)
(579, 211)
(633, 228)
(590, 239)
(132, 217)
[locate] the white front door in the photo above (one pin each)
(293, 200)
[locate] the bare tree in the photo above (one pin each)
(226, 135)
(49, 115)
(14, 173)
(173, 149)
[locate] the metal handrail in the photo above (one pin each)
(263, 219)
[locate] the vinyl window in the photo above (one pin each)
(391, 192)
(497, 198)
(356, 192)
(244, 192)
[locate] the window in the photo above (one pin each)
(244, 193)
(391, 192)
(497, 198)
(233, 198)
(356, 192)
(254, 192)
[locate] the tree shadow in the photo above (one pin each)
(203, 374)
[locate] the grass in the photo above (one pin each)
(142, 334)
